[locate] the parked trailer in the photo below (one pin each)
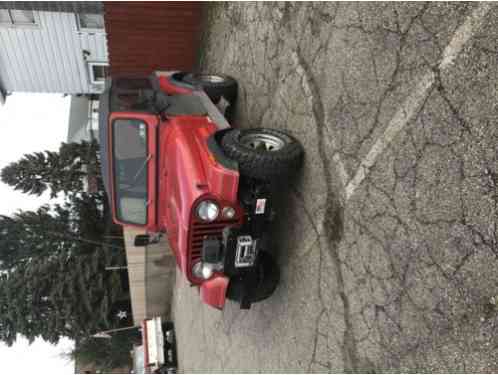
(157, 354)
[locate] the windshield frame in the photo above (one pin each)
(146, 169)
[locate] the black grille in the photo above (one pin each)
(202, 230)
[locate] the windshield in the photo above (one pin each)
(130, 159)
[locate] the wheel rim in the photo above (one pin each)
(211, 78)
(261, 141)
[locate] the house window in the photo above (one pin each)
(90, 22)
(98, 72)
(17, 17)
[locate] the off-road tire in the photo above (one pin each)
(262, 164)
(167, 370)
(269, 277)
(226, 86)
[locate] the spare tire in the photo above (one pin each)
(215, 85)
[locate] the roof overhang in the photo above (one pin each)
(78, 118)
(3, 95)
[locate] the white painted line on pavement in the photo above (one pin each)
(404, 114)
(463, 34)
(414, 101)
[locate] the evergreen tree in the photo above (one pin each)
(76, 226)
(56, 172)
(107, 354)
(29, 234)
(53, 281)
(60, 296)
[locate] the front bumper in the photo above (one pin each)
(236, 256)
(241, 247)
(236, 262)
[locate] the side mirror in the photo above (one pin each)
(142, 240)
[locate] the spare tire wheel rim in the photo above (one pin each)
(262, 141)
(211, 78)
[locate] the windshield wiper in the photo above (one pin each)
(142, 167)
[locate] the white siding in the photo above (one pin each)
(49, 57)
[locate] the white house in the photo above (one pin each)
(83, 118)
(52, 47)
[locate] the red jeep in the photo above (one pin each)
(172, 164)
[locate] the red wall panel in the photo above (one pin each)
(147, 36)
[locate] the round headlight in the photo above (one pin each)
(207, 211)
(202, 270)
(197, 270)
(207, 270)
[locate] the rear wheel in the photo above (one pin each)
(265, 154)
(268, 276)
(215, 85)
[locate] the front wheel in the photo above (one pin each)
(265, 154)
(268, 277)
(167, 370)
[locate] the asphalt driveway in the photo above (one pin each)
(387, 239)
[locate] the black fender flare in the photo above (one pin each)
(214, 146)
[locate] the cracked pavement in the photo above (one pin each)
(387, 239)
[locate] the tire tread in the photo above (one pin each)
(268, 165)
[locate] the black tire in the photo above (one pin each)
(263, 163)
(168, 326)
(215, 85)
(167, 370)
(268, 279)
